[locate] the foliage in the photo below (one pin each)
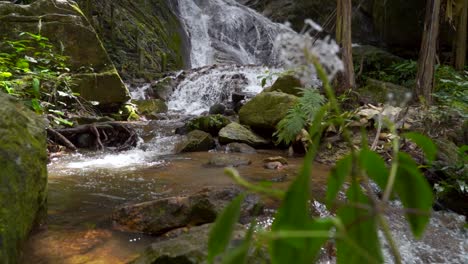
(457, 179)
(32, 70)
(300, 115)
(358, 218)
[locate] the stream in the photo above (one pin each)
(85, 188)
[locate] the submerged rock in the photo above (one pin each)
(265, 110)
(196, 140)
(223, 160)
(23, 176)
(235, 132)
(159, 216)
(191, 247)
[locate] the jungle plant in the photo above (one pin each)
(355, 221)
(32, 70)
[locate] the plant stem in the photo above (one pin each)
(394, 168)
(255, 188)
(388, 236)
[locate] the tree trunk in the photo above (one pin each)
(461, 38)
(344, 14)
(427, 54)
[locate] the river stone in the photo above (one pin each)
(235, 132)
(286, 84)
(239, 148)
(93, 75)
(23, 176)
(211, 124)
(159, 216)
(151, 106)
(191, 247)
(217, 109)
(265, 110)
(223, 160)
(279, 159)
(196, 140)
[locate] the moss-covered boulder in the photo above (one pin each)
(211, 124)
(63, 23)
(265, 110)
(143, 38)
(377, 91)
(196, 140)
(235, 132)
(151, 106)
(373, 58)
(23, 176)
(286, 84)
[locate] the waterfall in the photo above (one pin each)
(224, 31)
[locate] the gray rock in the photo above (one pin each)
(160, 216)
(235, 132)
(217, 109)
(239, 148)
(196, 141)
(224, 160)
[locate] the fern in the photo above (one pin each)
(299, 116)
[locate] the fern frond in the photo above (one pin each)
(291, 124)
(310, 102)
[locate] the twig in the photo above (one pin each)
(62, 139)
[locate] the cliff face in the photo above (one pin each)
(143, 38)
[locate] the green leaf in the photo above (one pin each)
(5, 75)
(361, 231)
(414, 192)
(221, 233)
(293, 216)
(36, 85)
(59, 120)
(36, 105)
(373, 164)
(337, 178)
(425, 143)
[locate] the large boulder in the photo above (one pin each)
(144, 38)
(196, 140)
(235, 132)
(286, 84)
(377, 91)
(265, 110)
(160, 216)
(64, 25)
(23, 176)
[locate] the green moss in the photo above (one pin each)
(211, 124)
(23, 177)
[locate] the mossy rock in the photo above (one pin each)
(23, 176)
(151, 106)
(196, 140)
(286, 84)
(235, 132)
(377, 91)
(211, 124)
(265, 110)
(373, 58)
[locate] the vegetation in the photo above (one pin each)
(353, 229)
(32, 70)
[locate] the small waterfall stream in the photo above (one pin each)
(86, 186)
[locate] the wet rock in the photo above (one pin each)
(222, 160)
(273, 165)
(23, 176)
(265, 110)
(211, 124)
(279, 159)
(239, 148)
(217, 109)
(191, 247)
(286, 84)
(236, 97)
(159, 216)
(150, 107)
(235, 132)
(196, 140)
